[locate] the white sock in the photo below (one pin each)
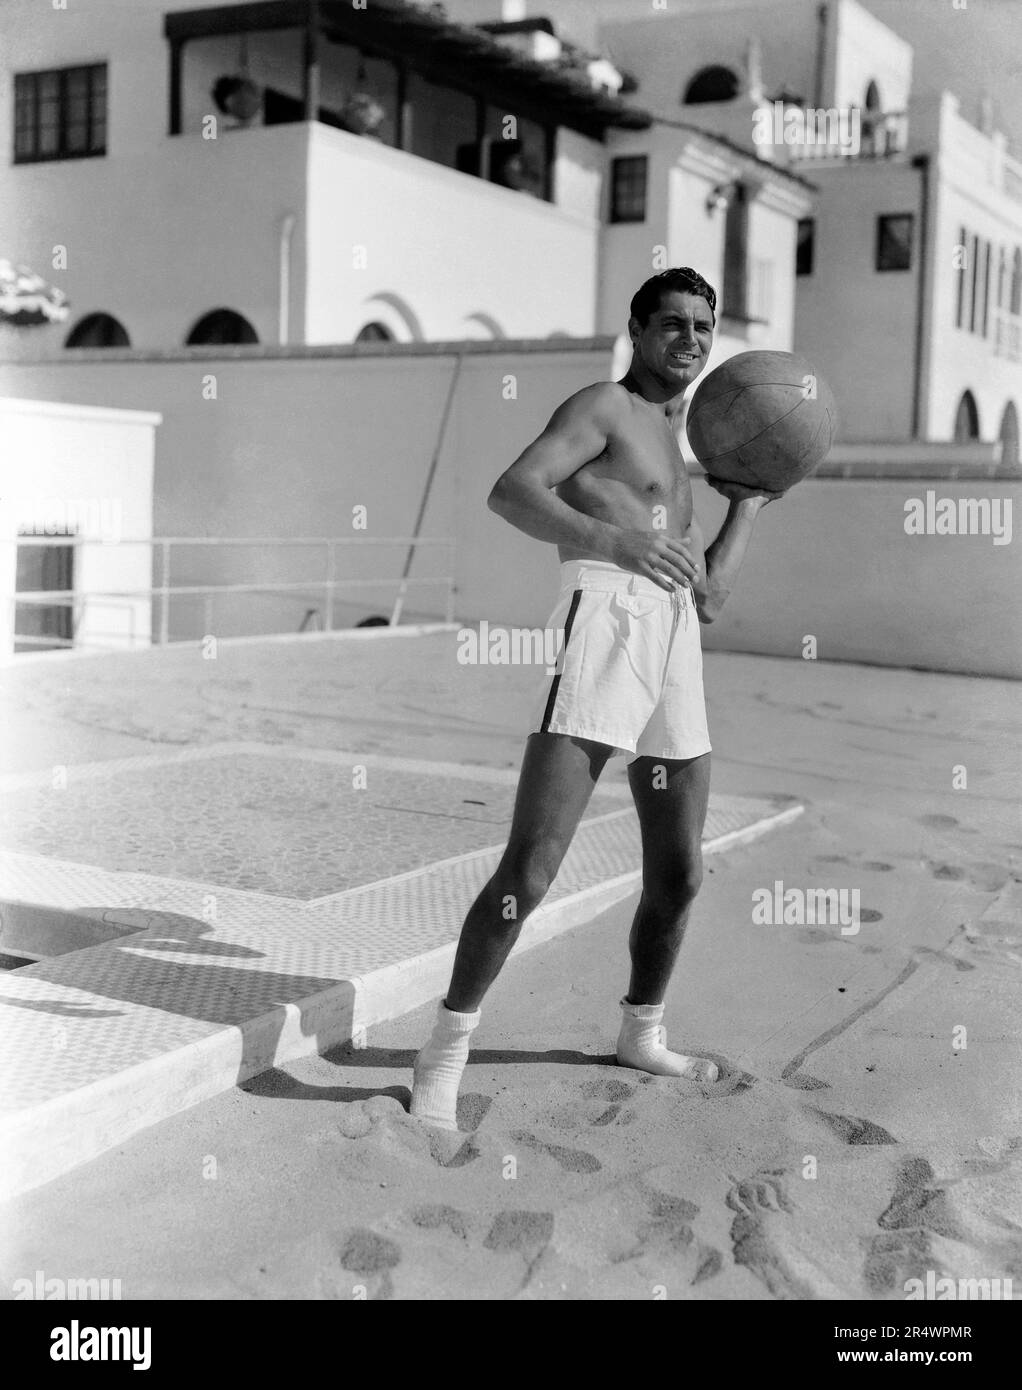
(642, 1044)
(438, 1068)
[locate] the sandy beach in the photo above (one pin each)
(856, 1138)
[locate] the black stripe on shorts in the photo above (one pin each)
(548, 713)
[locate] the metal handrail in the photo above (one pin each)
(164, 591)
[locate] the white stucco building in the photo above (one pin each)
(313, 171)
(909, 285)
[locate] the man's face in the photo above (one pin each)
(675, 343)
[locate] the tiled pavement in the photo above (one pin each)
(267, 900)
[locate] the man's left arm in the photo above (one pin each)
(723, 558)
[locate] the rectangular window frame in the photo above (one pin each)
(27, 127)
(963, 249)
(883, 219)
(619, 215)
(801, 258)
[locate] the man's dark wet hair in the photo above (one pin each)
(646, 299)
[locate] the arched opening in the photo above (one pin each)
(1009, 435)
(394, 314)
(966, 419)
(374, 332)
(1016, 282)
(713, 83)
(871, 119)
(484, 326)
(98, 331)
(222, 326)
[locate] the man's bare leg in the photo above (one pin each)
(557, 779)
(671, 797)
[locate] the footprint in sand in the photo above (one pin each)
(441, 1218)
(917, 1211)
(664, 1235)
(994, 942)
(571, 1160)
(986, 877)
(371, 1258)
(802, 1081)
(922, 1229)
(874, 866)
(595, 1103)
(513, 1231)
(761, 1223)
(853, 1129)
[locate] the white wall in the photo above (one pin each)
(967, 194)
(162, 230)
(683, 170)
(158, 253)
(666, 48)
(832, 560)
(447, 245)
(863, 49)
(857, 323)
(94, 466)
(295, 442)
(578, 174)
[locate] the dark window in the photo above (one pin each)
(976, 284)
(963, 252)
(711, 84)
(60, 114)
(98, 330)
(374, 333)
(966, 419)
(736, 254)
(1009, 435)
(871, 119)
(985, 318)
(38, 625)
(222, 326)
(805, 245)
(628, 188)
(1016, 282)
(894, 241)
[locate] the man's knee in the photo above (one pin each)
(525, 877)
(672, 890)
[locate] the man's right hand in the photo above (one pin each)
(664, 559)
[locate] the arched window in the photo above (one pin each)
(222, 326)
(966, 419)
(871, 119)
(711, 84)
(374, 333)
(1016, 282)
(98, 330)
(1009, 435)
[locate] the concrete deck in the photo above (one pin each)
(206, 912)
(857, 1138)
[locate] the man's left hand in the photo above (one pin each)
(738, 492)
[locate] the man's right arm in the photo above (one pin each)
(524, 496)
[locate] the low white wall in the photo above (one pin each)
(90, 469)
(295, 441)
(832, 560)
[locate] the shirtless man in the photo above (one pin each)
(606, 483)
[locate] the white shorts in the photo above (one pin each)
(630, 669)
